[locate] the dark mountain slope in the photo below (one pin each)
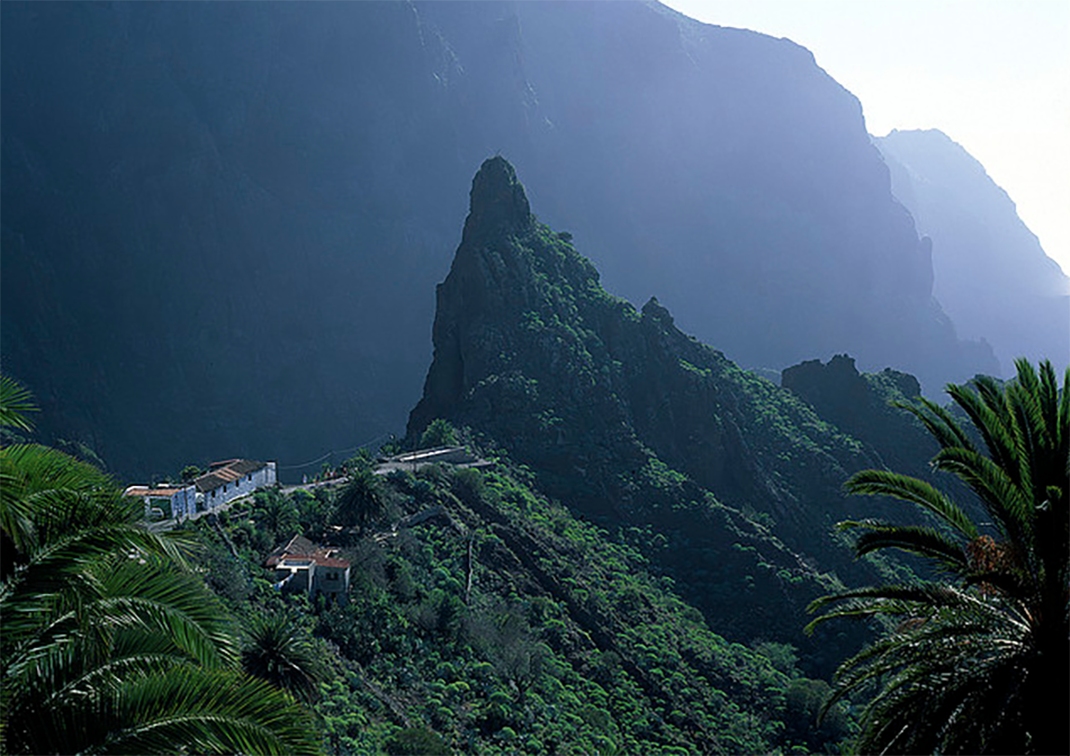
(861, 404)
(632, 423)
(991, 274)
(221, 222)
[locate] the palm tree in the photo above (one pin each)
(978, 662)
(275, 514)
(360, 502)
(108, 641)
(276, 652)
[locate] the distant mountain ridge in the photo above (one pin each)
(990, 273)
(222, 222)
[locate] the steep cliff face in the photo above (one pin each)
(224, 220)
(991, 274)
(530, 349)
(633, 423)
(201, 227)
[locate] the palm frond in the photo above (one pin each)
(989, 421)
(218, 712)
(276, 653)
(919, 492)
(925, 542)
(938, 421)
(108, 641)
(972, 665)
(1009, 506)
(15, 403)
(1063, 437)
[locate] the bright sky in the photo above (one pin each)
(994, 75)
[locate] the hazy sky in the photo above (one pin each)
(994, 75)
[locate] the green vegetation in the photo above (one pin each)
(108, 640)
(15, 403)
(275, 650)
(505, 624)
(439, 433)
(976, 662)
(628, 574)
(728, 484)
(360, 500)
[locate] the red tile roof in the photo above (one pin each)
(326, 561)
(153, 492)
(300, 548)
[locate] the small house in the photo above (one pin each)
(166, 502)
(231, 478)
(302, 566)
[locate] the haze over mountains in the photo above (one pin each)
(223, 223)
(990, 273)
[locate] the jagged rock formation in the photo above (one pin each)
(222, 222)
(991, 274)
(862, 404)
(633, 423)
(530, 348)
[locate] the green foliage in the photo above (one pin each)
(806, 720)
(15, 403)
(517, 672)
(276, 651)
(552, 636)
(360, 501)
(974, 663)
(415, 741)
(634, 425)
(359, 461)
(277, 515)
(314, 511)
(439, 433)
(107, 640)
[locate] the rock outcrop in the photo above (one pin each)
(633, 423)
(863, 405)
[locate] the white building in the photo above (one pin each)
(171, 502)
(231, 478)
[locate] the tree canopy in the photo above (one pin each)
(109, 641)
(977, 662)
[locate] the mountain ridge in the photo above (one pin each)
(231, 216)
(634, 424)
(991, 273)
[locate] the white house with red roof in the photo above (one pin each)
(224, 482)
(302, 566)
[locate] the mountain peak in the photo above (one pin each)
(655, 310)
(497, 200)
